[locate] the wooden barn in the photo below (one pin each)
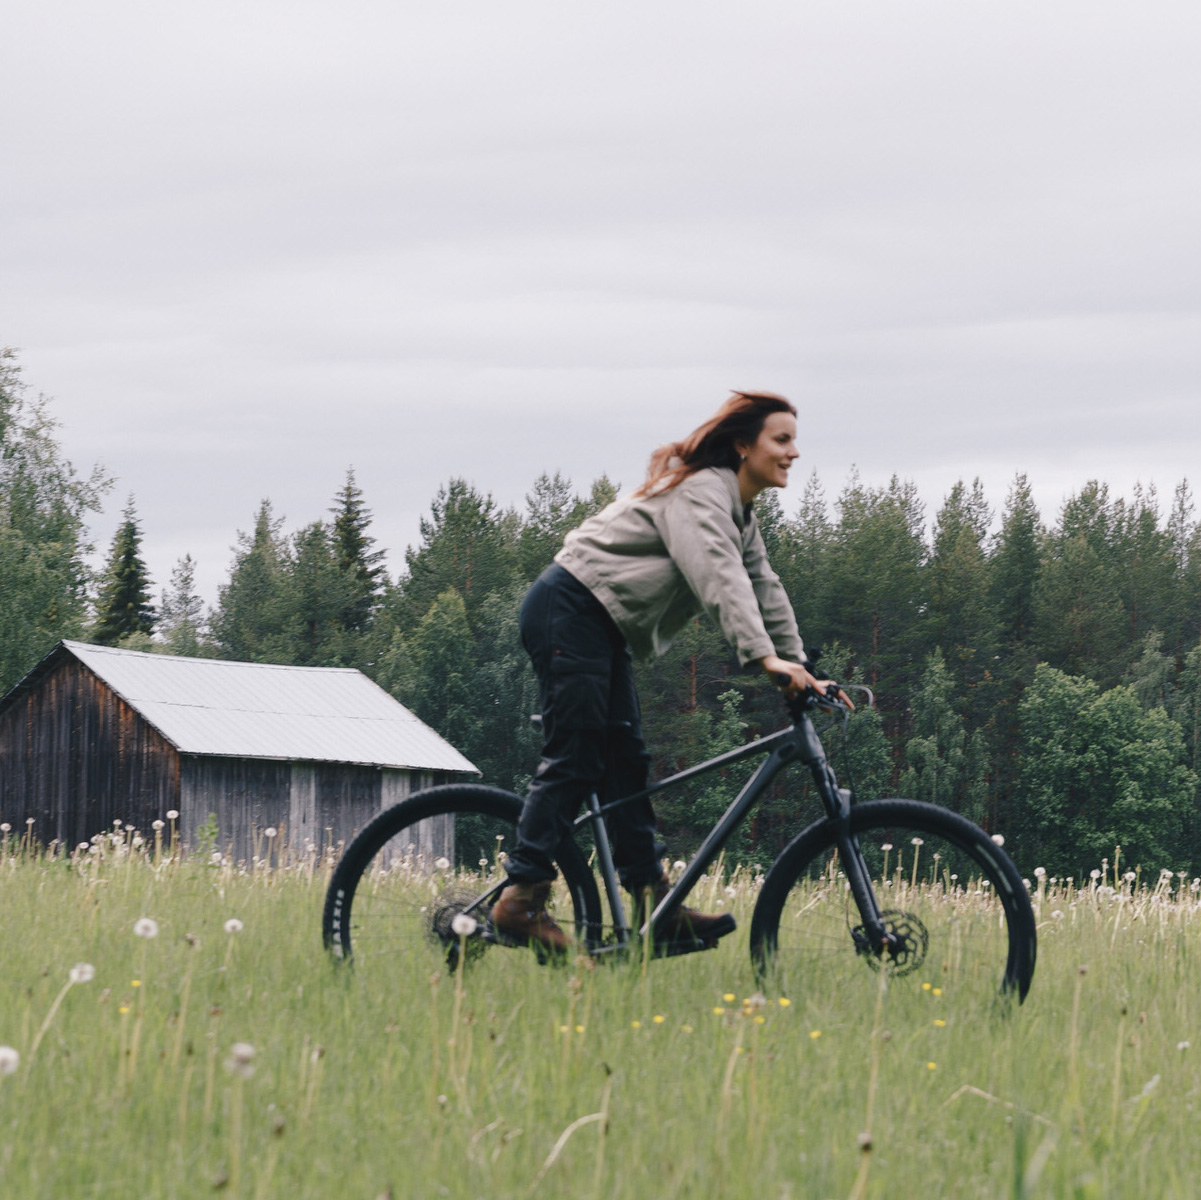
(94, 735)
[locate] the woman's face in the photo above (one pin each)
(770, 455)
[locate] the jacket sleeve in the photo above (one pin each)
(698, 529)
(774, 605)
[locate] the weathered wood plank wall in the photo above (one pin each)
(76, 758)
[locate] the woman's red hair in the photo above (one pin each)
(713, 444)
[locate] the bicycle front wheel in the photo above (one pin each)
(953, 899)
(393, 897)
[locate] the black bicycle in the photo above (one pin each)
(896, 885)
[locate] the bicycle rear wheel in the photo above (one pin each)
(950, 894)
(391, 898)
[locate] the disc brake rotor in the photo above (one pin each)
(906, 948)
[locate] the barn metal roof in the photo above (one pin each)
(258, 710)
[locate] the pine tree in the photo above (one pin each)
(551, 511)
(255, 616)
(468, 545)
(321, 591)
(875, 582)
(362, 566)
(1080, 621)
(962, 618)
(43, 540)
(1015, 565)
(948, 765)
(123, 607)
(181, 624)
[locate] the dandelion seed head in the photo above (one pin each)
(443, 864)
(82, 973)
(1057, 915)
(83, 847)
(215, 858)
(998, 839)
(233, 925)
(158, 825)
(1040, 872)
(173, 814)
(10, 1059)
(145, 927)
(678, 865)
(29, 820)
(886, 846)
(464, 925)
(270, 832)
(5, 827)
(1183, 1045)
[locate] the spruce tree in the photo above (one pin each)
(123, 607)
(359, 563)
(181, 613)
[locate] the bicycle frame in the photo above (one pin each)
(799, 741)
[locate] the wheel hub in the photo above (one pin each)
(906, 943)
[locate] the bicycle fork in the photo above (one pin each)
(873, 936)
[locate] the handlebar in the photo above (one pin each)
(811, 698)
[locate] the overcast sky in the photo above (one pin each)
(246, 245)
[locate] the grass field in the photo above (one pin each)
(513, 1080)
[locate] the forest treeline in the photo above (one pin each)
(1041, 676)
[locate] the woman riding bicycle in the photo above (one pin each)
(625, 583)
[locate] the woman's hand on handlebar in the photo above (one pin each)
(799, 678)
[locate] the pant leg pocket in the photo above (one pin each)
(578, 695)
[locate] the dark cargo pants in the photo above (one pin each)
(591, 733)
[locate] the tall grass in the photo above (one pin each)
(245, 1062)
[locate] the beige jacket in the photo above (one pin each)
(656, 561)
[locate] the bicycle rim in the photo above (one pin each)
(394, 896)
(953, 900)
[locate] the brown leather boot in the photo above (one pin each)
(520, 918)
(685, 924)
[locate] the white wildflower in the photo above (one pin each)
(240, 1059)
(1183, 1045)
(10, 1059)
(145, 927)
(464, 925)
(233, 925)
(173, 814)
(82, 973)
